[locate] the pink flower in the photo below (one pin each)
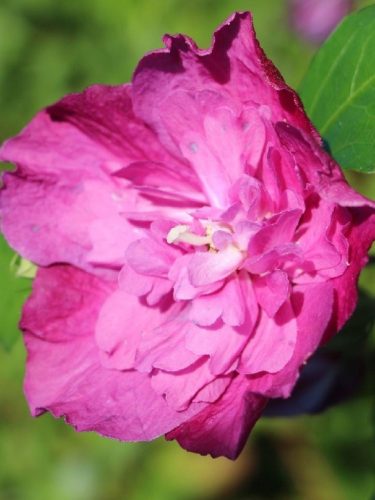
(195, 242)
(315, 19)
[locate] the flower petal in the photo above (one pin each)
(222, 428)
(122, 321)
(228, 303)
(313, 307)
(272, 344)
(272, 291)
(64, 374)
(205, 267)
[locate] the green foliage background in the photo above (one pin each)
(49, 48)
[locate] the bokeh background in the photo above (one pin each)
(47, 49)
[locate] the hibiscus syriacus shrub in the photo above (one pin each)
(195, 245)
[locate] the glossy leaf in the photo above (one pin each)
(339, 91)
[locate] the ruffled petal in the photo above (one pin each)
(222, 343)
(360, 238)
(206, 268)
(272, 290)
(235, 66)
(149, 257)
(54, 205)
(64, 375)
(122, 321)
(164, 348)
(48, 222)
(272, 343)
(222, 429)
(180, 387)
(313, 307)
(228, 303)
(318, 168)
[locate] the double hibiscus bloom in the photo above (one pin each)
(195, 245)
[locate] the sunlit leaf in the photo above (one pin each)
(339, 91)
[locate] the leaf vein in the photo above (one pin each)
(345, 104)
(329, 74)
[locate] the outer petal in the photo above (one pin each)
(222, 78)
(50, 204)
(235, 67)
(361, 236)
(54, 206)
(49, 221)
(64, 374)
(318, 168)
(105, 114)
(223, 427)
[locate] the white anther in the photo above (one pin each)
(182, 234)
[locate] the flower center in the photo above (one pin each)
(182, 234)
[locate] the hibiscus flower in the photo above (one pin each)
(314, 20)
(195, 245)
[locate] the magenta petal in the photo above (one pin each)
(319, 168)
(44, 220)
(235, 65)
(105, 113)
(122, 322)
(234, 305)
(279, 231)
(64, 374)
(164, 348)
(110, 237)
(136, 284)
(206, 309)
(206, 267)
(180, 387)
(313, 307)
(228, 303)
(272, 291)
(149, 257)
(272, 344)
(222, 429)
(213, 390)
(361, 236)
(183, 288)
(288, 253)
(62, 187)
(151, 174)
(221, 342)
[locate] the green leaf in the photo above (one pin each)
(14, 290)
(339, 91)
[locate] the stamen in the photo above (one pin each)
(182, 234)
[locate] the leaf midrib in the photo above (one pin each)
(329, 74)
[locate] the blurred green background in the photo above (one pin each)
(47, 49)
